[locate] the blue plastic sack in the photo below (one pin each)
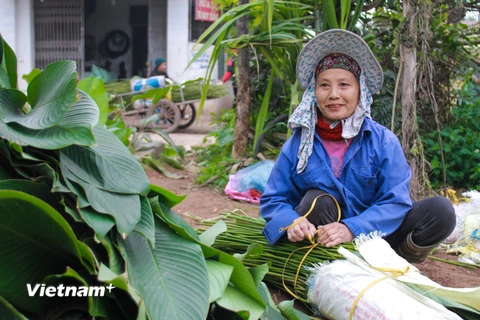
(252, 177)
(141, 84)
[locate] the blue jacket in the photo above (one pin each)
(373, 189)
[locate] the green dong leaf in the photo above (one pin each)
(168, 275)
(271, 313)
(146, 225)
(108, 165)
(35, 241)
(74, 128)
(38, 190)
(241, 295)
(208, 236)
(165, 196)
(95, 88)
(8, 66)
(120, 282)
(289, 312)
(29, 77)
(9, 312)
(247, 308)
(124, 208)
(218, 277)
(51, 94)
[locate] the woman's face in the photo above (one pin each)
(162, 67)
(337, 92)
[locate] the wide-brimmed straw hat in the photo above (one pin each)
(341, 41)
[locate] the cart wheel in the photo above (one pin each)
(169, 116)
(188, 114)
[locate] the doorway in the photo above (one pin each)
(139, 26)
(59, 32)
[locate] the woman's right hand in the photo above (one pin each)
(301, 230)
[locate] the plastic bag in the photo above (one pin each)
(472, 234)
(333, 287)
(462, 210)
(249, 183)
(141, 104)
(140, 84)
(472, 224)
(252, 177)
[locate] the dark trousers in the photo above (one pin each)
(431, 220)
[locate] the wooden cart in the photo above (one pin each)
(170, 116)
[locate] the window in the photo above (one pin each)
(197, 27)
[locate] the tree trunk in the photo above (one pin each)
(242, 122)
(409, 86)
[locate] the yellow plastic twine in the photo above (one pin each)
(312, 245)
(451, 195)
(395, 273)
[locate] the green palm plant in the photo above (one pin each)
(278, 30)
(340, 14)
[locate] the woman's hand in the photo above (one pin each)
(334, 233)
(301, 230)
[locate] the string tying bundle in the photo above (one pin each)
(309, 248)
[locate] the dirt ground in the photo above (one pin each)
(206, 202)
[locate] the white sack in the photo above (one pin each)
(334, 287)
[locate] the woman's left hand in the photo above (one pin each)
(333, 233)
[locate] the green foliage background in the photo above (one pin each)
(461, 143)
(453, 51)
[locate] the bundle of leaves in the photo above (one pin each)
(77, 209)
(118, 87)
(241, 235)
(190, 90)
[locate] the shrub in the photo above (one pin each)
(461, 143)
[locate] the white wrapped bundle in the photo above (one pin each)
(377, 282)
(335, 286)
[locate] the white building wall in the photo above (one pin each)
(179, 49)
(7, 22)
(25, 40)
(157, 39)
(16, 27)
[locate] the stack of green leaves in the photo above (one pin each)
(77, 209)
(244, 234)
(118, 87)
(191, 90)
